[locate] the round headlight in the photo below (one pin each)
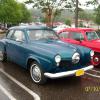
(76, 58)
(91, 53)
(57, 58)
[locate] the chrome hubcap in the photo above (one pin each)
(35, 73)
(96, 59)
(1, 55)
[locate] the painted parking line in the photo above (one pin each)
(93, 75)
(7, 93)
(33, 94)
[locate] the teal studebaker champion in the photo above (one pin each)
(40, 50)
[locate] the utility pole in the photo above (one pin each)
(76, 14)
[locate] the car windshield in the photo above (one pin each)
(42, 34)
(92, 35)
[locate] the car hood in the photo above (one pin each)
(55, 47)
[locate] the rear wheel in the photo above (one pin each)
(2, 56)
(37, 73)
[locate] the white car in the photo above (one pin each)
(60, 27)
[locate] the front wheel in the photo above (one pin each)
(2, 56)
(96, 60)
(37, 73)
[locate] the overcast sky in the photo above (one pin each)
(82, 2)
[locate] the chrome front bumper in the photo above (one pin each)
(67, 73)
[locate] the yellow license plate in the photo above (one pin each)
(80, 72)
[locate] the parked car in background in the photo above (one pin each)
(85, 37)
(40, 50)
(3, 29)
(60, 27)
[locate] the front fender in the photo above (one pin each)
(45, 64)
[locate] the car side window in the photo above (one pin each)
(76, 36)
(92, 35)
(35, 34)
(9, 34)
(64, 35)
(18, 36)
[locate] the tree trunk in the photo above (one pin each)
(76, 14)
(49, 17)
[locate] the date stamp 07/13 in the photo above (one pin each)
(92, 89)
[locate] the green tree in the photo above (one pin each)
(83, 15)
(76, 5)
(96, 5)
(12, 12)
(51, 8)
(68, 22)
(26, 16)
(43, 20)
(9, 11)
(97, 16)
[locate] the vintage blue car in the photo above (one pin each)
(40, 50)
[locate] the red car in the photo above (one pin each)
(85, 37)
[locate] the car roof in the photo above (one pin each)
(30, 27)
(78, 29)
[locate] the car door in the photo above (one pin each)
(15, 47)
(90, 39)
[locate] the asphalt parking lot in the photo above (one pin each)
(16, 84)
(70, 88)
